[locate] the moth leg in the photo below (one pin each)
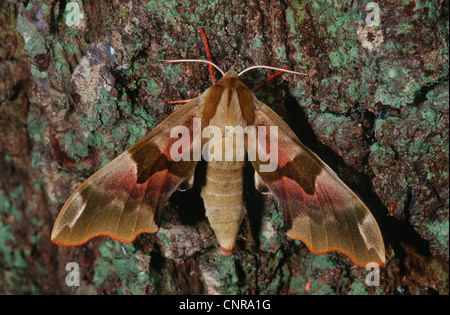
(210, 67)
(208, 56)
(186, 184)
(180, 101)
(256, 88)
(261, 186)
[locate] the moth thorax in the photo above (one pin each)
(228, 112)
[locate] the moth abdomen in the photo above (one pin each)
(224, 202)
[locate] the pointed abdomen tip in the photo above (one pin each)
(226, 252)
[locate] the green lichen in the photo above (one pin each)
(136, 130)
(354, 90)
(347, 87)
(172, 73)
(332, 124)
(404, 28)
(257, 42)
(104, 106)
(280, 278)
(62, 67)
(269, 236)
(225, 273)
(80, 147)
(34, 42)
(163, 238)
(9, 203)
(297, 284)
(321, 289)
(152, 87)
(168, 11)
(358, 288)
(115, 262)
(149, 120)
(13, 259)
(281, 53)
(399, 82)
(344, 57)
(321, 262)
(439, 231)
(381, 154)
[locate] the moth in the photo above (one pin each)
(126, 197)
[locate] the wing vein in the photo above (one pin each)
(324, 193)
(333, 214)
(350, 237)
(139, 207)
(307, 215)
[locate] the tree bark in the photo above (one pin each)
(80, 82)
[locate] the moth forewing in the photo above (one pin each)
(124, 198)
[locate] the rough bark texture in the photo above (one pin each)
(374, 106)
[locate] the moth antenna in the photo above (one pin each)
(271, 68)
(194, 60)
